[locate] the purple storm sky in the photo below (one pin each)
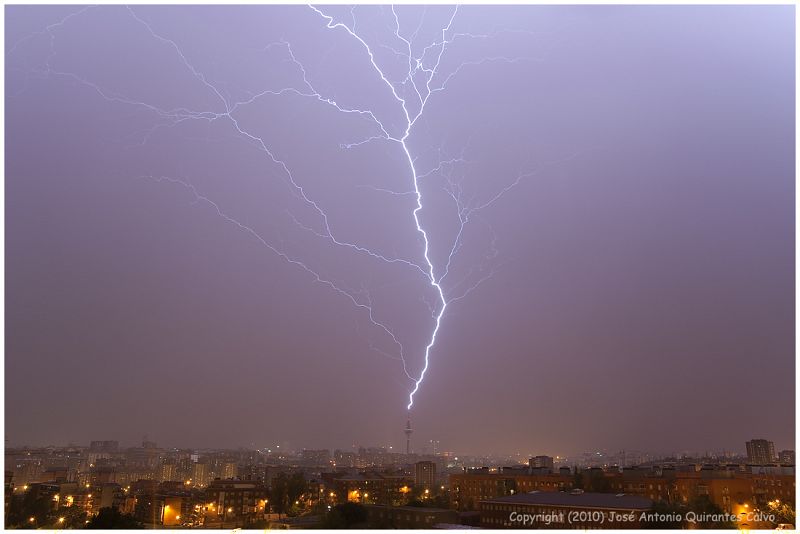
(624, 177)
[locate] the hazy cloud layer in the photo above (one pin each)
(615, 183)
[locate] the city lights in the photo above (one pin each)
(560, 240)
(392, 480)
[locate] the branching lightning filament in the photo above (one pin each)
(422, 80)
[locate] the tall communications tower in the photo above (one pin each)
(408, 432)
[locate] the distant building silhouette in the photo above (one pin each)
(541, 461)
(760, 451)
(104, 446)
(344, 458)
(316, 457)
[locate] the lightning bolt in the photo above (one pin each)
(418, 64)
(421, 81)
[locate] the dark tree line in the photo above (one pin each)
(285, 491)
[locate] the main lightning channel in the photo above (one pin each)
(434, 282)
(403, 141)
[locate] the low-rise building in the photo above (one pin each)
(235, 501)
(367, 488)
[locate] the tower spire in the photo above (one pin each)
(408, 432)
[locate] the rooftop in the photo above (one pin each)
(579, 500)
(415, 509)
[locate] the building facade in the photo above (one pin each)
(541, 462)
(733, 488)
(235, 501)
(760, 451)
(425, 474)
